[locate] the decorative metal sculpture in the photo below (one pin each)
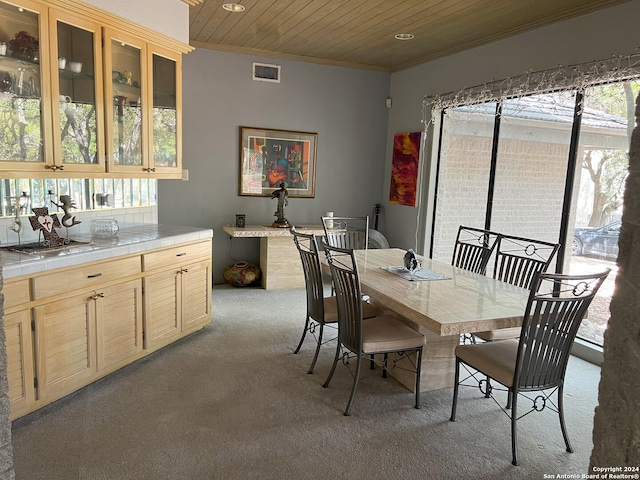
(66, 204)
(283, 200)
(16, 226)
(46, 223)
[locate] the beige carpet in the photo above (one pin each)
(233, 402)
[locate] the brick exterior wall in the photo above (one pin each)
(528, 171)
(616, 431)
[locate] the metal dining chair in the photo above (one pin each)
(517, 261)
(537, 362)
(400, 345)
(473, 249)
(346, 232)
(321, 310)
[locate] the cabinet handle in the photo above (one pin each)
(97, 296)
(94, 275)
(54, 168)
(185, 270)
(180, 254)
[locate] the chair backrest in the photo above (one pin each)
(556, 306)
(346, 232)
(344, 271)
(518, 259)
(473, 248)
(308, 249)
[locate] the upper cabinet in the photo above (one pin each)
(166, 111)
(86, 94)
(76, 79)
(145, 103)
(25, 133)
(125, 59)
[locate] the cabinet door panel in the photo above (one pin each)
(19, 360)
(65, 339)
(78, 121)
(196, 294)
(125, 74)
(119, 323)
(166, 113)
(161, 315)
(25, 135)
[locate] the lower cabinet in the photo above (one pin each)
(177, 301)
(58, 342)
(119, 324)
(65, 345)
(20, 373)
(80, 337)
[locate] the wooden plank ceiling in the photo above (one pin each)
(360, 33)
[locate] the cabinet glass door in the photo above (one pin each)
(22, 113)
(78, 80)
(166, 113)
(124, 78)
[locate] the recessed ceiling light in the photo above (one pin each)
(405, 36)
(233, 7)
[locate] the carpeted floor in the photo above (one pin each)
(232, 402)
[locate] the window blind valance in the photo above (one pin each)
(562, 78)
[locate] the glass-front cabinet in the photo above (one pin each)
(24, 111)
(84, 94)
(125, 59)
(166, 111)
(76, 73)
(144, 105)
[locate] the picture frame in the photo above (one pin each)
(269, 157)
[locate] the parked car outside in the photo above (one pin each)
(597, 241)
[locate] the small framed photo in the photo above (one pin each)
(271, 157)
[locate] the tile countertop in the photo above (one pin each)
(132, 238)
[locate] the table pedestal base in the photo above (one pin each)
(280, 263)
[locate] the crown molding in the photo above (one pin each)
(107, 19)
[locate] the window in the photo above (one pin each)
(549, 166)
(87, 194)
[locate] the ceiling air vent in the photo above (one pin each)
(264, 72)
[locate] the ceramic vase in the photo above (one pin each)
(241, 274)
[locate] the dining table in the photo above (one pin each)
(440, 301)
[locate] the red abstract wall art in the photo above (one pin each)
(404, 168)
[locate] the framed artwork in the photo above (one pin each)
(271, 157)
(404, 168)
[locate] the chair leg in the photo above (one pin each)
(509, 399)
(384, 365)
(561, 414)
(304, 334)
(418, 373)
(315, 356)
(514, 419)
(333, 368)
(487, 394)
(455, 391)
(372, 363)
(356, 377)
